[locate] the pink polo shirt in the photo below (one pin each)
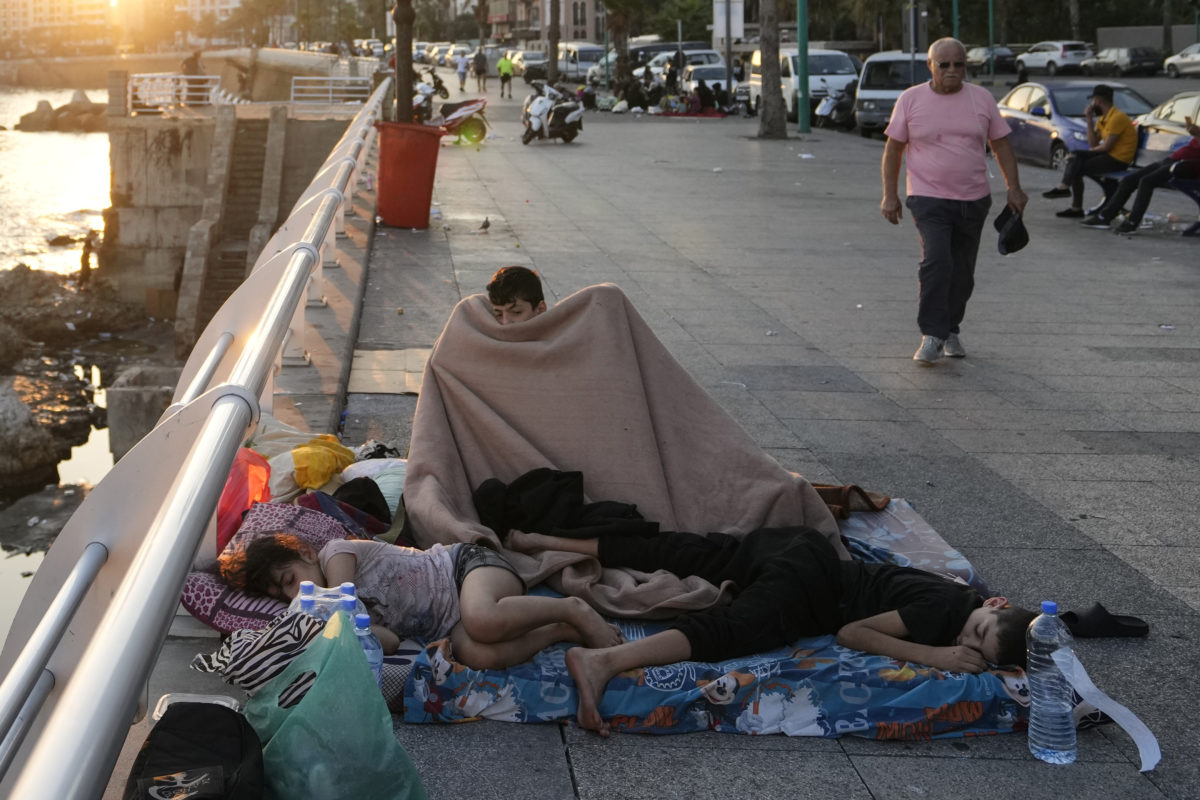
(946, 136)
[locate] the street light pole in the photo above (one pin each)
(803, 110)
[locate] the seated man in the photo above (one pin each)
(790, 583)
(1112, 144)
(1144, 181)
(515, 294)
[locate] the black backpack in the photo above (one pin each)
(198, 750)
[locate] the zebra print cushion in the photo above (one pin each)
(251, 658)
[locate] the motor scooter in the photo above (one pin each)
(465, 119)
(836, 109)
(549, 114)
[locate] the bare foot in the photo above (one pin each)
(594, 630)
(524, 542)
(590, 679)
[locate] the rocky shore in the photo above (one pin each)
(48, 328)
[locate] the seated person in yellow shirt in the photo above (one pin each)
(1112, 145)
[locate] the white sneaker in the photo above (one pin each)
(954, 348)
(930, 351)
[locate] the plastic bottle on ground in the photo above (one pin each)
(370, 645)
(1051, 713)
(328, 601)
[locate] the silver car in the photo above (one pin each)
(1185, 62)
(1052, 57)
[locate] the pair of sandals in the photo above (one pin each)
(1098, 622)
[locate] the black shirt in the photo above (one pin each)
(933, 608)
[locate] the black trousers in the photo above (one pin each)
(950, 232)
(788, 584)
(1143, 181)
(1083, 163)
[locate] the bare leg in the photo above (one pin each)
(500, 655)
(537, 542)
(593, 669)
(494, 610)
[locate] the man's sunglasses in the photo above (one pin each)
(949, 64)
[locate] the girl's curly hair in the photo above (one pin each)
(249, 567)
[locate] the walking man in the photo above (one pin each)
(940, 130)
(504, 67)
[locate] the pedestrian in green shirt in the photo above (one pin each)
(505, 67)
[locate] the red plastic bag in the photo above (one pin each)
(248, 483)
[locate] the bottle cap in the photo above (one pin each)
(348, 588)
(350, 604)
(307, 587)
(362, 620)
(1049, 607)
(307, 602)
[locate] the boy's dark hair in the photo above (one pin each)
(510, 284)
(1011, 624)
(249, 568)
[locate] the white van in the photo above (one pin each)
(574, 58)
(884, 76)
(828, 71)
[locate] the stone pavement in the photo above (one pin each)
(1060, 456)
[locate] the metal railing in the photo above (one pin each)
(330, 90)
(152, 91)
(87, 635)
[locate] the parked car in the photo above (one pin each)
(531, 64)
(1053, 57)
(884, 76)
(1165, 126)
(828, 71)
(1122, 61)
(978, 58)
(711, 74)
(658, 64)
(1047, 118)
(450, 57)
(605, 66)
(1185, 62)
(433, 49)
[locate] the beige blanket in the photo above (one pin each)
(587, 386)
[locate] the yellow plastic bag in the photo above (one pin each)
(319, 460)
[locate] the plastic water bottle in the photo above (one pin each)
(306, 604)
(328, 601)
(370, 645)
(1051, 715)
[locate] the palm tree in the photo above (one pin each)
(552, 37)
(772, 114)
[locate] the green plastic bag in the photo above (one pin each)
(337, 742)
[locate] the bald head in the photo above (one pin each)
(946, 49)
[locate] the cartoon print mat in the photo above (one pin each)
(813, 688)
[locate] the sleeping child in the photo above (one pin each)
(466, 591)
(790, 583)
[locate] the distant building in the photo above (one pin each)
(521, 22)
(57, 19)
(221, 9)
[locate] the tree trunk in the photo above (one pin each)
(403, 15)
(1073, 16)
(772, 119)
(552, 36)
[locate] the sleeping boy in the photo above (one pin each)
(789, 583)
(466, 591)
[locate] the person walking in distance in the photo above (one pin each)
(504, 67)
(940, 130)
(479, 65)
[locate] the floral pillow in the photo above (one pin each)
(209, 599)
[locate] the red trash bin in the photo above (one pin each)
(407, 163)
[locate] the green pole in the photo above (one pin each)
(803, 110)
(954, 18)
